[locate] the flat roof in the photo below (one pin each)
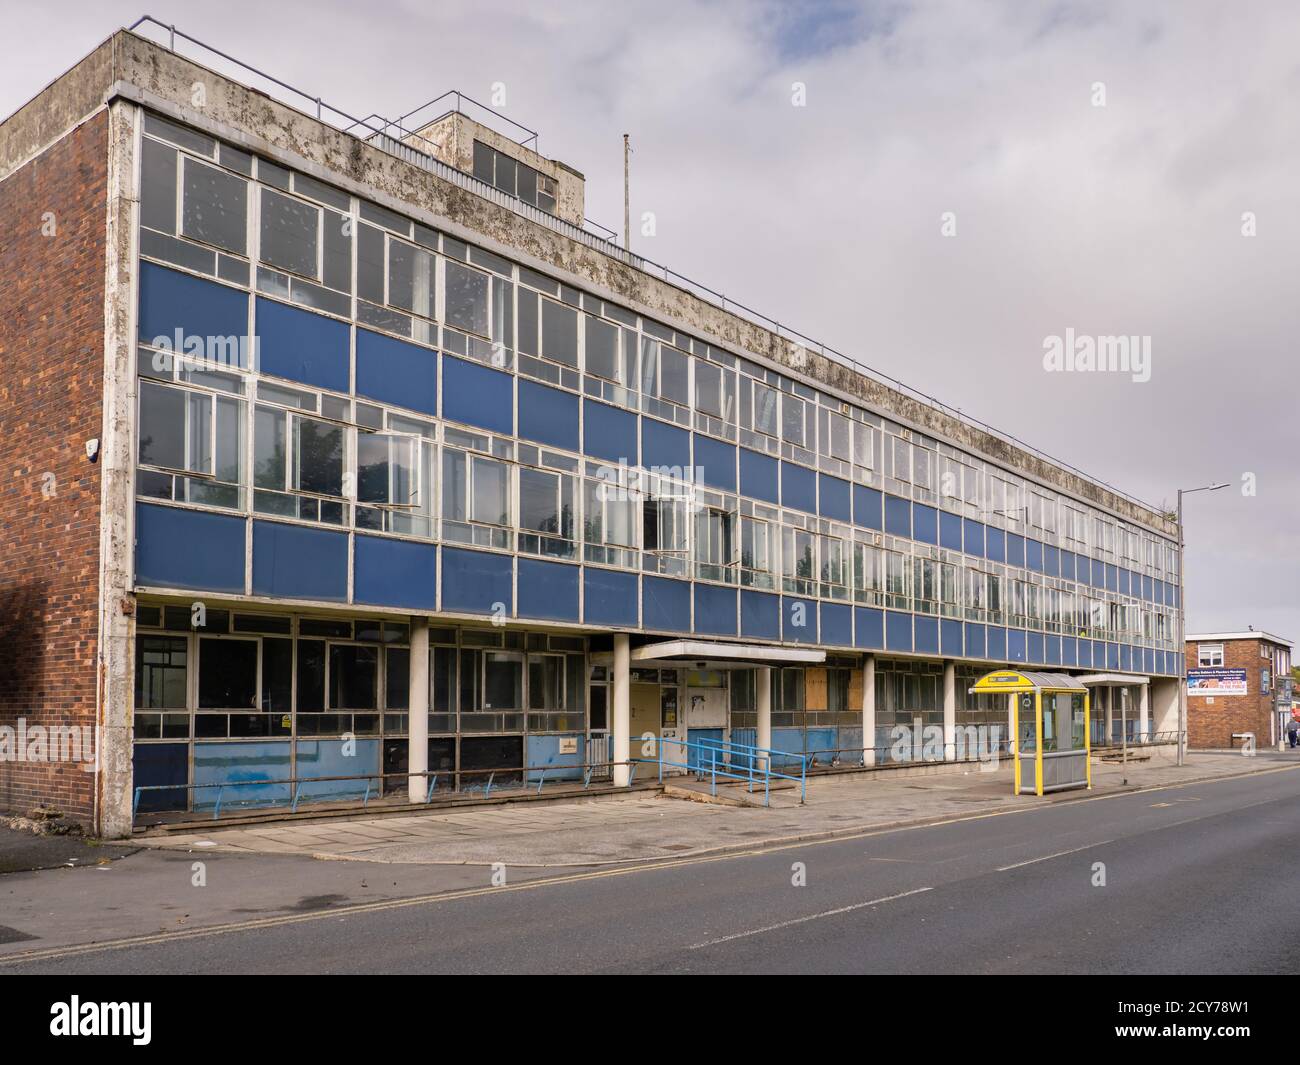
(1252, 634)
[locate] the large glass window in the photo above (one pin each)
(214, 207)
(412, 286)
(290, 234)
(467, 298)
(713, 544)
(546, 507)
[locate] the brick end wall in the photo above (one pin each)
(1211, 725)
(51, 403)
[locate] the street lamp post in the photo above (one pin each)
(1182, 617)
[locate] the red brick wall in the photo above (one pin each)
(1211, 725)
(51, 403)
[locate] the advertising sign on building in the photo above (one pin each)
(1216, 682)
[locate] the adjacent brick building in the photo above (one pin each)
(1237, 683)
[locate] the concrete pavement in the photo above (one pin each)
(640, 828)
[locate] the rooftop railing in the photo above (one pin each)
(394, 136)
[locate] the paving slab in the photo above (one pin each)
(639, 828)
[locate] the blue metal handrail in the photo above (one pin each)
(758, 765)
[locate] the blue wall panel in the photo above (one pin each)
(477, 395)
(925, 524)
(158, 764)
(868, 628)
(609, 598)
(1067, 564)
(1052, 650)
(547, 590)
(302, 346)
(995, 545)
(716, 463)
(759, 476)
(1034, 556)
(393, 371)
(297, 562)
(715, 610)
(170, 300)
(798, 487)
(760, 615)
(609, 433)
(1015, 549)
(666, 605)
(898, 516)
(327, 758)
(798, 619)
(1035, 652)
(473, 582)
(834, 498)
(837, 624)
(188, 549)
(898, 631)
(395, 573)
(949, 531)
(545, 751)
(995, 643)
(867, 507)
(1016, 651)
(548, 415)
(950, 638)
(973, 537)
(1069, 651)
(927, 635)
(976, 640)
(226, 763)
(664, 445)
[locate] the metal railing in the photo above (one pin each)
(381, 129)
(732, 761)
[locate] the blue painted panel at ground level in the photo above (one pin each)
(395, 573)
(177, 548)
(242, 765)
(328, 758)
(547, 590)
(474, 582)
(156, 764)
(297, 562)
(544, 753)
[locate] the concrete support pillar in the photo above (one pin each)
(417, 723)
(1144, 712)
(1105, 693)
(949, 712)
(869, 710)
(763, 705)
(621, 717)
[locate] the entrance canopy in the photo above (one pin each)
(712, 654)
(1015, 680)
(1111, 680)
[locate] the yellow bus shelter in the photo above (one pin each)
(1050, 745)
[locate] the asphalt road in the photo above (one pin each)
(1197, 879)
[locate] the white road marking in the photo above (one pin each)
(1058, 854)
(804, 920)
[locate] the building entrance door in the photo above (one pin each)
(706, 722)
(645, 727)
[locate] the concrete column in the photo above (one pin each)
(621, 717)
(1105, 692)
(1144, 711)
(869, 710)
(949, 712)
(417, 715)
(115, 644)
(763, 704)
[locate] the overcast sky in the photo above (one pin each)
(1125, 218)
